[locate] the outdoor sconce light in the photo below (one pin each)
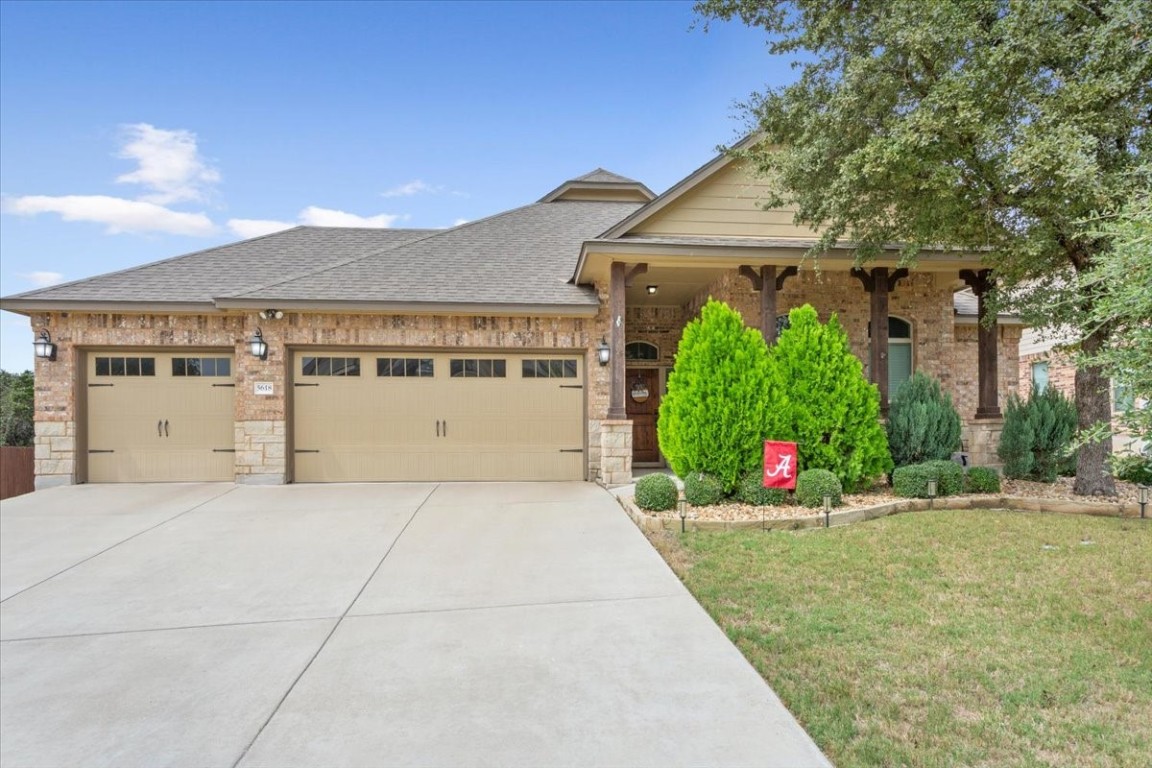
(257, 346)
(827, 511)
(1142, 498)
(603, 352)
(652, 289)
(44, 347)
(931, 493)
(682, 508)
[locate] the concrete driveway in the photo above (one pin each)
(362, 625)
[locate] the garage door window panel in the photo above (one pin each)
(329, 366)
(125, 366)
(201, 366)
(548, 369)
(476, 368)
(406, 367)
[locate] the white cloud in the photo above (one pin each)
(327, 217)
(118, 214)
(414, 187)
(169, 164)
(42, 279)
(247, 228)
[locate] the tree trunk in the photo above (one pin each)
(1093, 404)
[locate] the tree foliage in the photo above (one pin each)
(17, 393)
(832, 413)
(922, 422)
(998, 125)
(718, 409)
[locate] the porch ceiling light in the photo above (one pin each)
(257, 346)
(652, 289)
(603, 352)
(44, 347)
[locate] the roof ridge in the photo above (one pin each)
(138, 267)
(346, 262)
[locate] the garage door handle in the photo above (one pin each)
(571, 386)
(437, 427)
(101, 385)
(165, 427)
(93, 450)
(160, 428)
(571, 450)
(445, 427)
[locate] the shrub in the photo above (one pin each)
(702, 489)
(718, 409)
(1133, 468)
(656, 493)
(831, 412)
(1037, 434)
(912, 481)
(982, 480)
(751, 490)
(812, 485)
(922, 423)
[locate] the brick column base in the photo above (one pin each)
(982, 438)
(615, 452)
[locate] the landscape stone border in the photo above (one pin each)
(647, 522)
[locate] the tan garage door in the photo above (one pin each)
(367, 416)
(160, 416)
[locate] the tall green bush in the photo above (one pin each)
(719, 407)
(832, 412)
(1036, 436)
(922, 423)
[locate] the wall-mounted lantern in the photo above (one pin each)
(257, 346)
(45, 349)
(603, 352)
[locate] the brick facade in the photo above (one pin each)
(943, 348)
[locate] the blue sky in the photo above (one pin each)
(132, 132)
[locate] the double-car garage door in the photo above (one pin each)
(355, 416)
(362, 416)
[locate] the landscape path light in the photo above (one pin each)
(1142, 498)
(682, 508)
(931, 493)
(827, 511)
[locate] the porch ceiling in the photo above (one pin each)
(674, 285)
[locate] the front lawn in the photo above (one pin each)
(979, 638)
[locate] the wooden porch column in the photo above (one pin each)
(768, 284)
(879, 284)
(987, 347)
(616, 308)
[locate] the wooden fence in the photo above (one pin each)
(17, 475)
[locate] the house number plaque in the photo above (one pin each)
(263, 388)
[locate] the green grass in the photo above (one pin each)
(973, 638)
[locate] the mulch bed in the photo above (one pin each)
(1023, 489)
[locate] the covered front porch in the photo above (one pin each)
(927, 318)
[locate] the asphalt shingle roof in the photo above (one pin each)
(602, 176)
(523, 256)
(204, 275)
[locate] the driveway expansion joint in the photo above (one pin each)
(169, 629)
(501, 606)
(328, 637)
(119, 543)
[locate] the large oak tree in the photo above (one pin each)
(993, 125)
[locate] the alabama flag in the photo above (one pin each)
(779, 465)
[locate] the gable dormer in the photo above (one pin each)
(603, 186)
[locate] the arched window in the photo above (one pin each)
(641, 350)
(900, 363)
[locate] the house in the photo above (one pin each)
(531, 345)
(1046, 361)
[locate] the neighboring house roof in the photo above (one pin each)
(967, 309)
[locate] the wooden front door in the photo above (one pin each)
(642, 395)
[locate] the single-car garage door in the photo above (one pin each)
(160, 416)
(368, 416)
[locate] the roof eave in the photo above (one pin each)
(28, 306)
(484, 309)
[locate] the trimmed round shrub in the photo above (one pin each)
(751, 490)
(982, 480)
(656, 493)
(702, 489)
(912, 481)
(812, 485)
